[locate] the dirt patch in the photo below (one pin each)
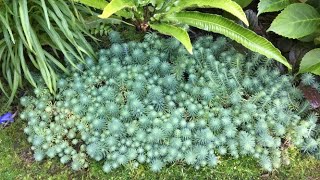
(26, 156)
(54, 169)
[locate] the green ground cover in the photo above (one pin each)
(16, 162)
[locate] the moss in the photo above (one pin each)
(17, 162)
(301, 167)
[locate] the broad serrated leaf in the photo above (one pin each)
(115, 6)
(310, 37)
(296, 21)
(243, 3)
(221, 25)
(226, 5)
(176, 32)
(311, 62)
(272, 5)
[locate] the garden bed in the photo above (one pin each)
(194, 107)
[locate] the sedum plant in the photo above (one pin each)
(33, 34)
(152, 102)
(171, 17)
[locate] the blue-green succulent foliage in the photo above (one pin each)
(152, 102)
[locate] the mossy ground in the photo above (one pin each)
(16, 162)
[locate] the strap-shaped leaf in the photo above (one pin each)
(24, 66)
(272, 5)
(45, 10)
(6, 26)
(25, 22)
(311, 62)
(15, 85)
(296, 21)
(115, 6)
(2, 89)
(226, 5)
(176, 32)
(221, 25)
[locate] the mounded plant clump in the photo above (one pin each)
(152, 102)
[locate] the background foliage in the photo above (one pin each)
(297, 20)
(170, 18)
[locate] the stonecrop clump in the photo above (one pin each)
(151, 102)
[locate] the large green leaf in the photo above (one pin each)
(243, 3)
(176, 32)
(272, 5)
(219, 24)
(101, 4)
(115, 6)
(226, 5)
(311, 37)
(311, 62)
(296, 21)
